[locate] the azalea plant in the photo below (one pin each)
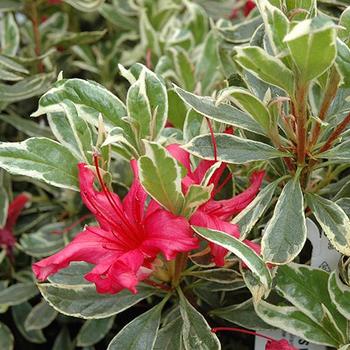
(182, 184)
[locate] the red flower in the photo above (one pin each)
(7, 238)
(279, 345)
(271, 344)
(127, 240)
(245, 9)
(248, 7)
(217, 214)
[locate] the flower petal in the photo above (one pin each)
(168, 234)
(97, 202)
(225, 209)
(279, 345)
(134, 201)
(92, 245)
(180, 155)
(125, 272)
(15, 209)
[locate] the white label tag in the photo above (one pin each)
(323, 256)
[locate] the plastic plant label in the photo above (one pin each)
(323, 256)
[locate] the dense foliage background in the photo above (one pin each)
(262, 88)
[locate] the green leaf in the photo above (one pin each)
(85, 5)
(232, 149)
(341, 152)
(241, 32)
(82, 300)
(312, 44)
(195, 197)
(160, 175)
(149, 37)
(78, 138)
(118, 139)
(66, 40)
(88, 94)
(342, 62)
(42, 159)
(29, 127)
(300, 10)
(291, 320)
(115, 15)
(183, 67)
(20, 313)
(147, 104)
(10, 5)
(43, 242)
(177, 109)
(250, 215)
(196, 333)
(285, 233)
(40, 316)
(242, 251)
(344, 21)
(242, 314)
(26, 88)
(276, 25)
(220, 275)
(94, 331)
(207, 69)
(63, 340)
(306, 288)
(9, 35)
(6, 338)
(18, 293)
(340, 294)
(197, 21)
(4, 201)
(333, 220)
(247, 102)
(194, 125)
(223, 113)
(170, 336)
(72, 275)
(265, 67)
(139, 334)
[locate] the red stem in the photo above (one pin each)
(36, 32)
(215, 150)
(340, 128)
(149, 58)
(221, 186)
(240, 330)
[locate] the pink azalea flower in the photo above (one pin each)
(216, 214)
(279, 345)
(271, 344)
(7, 238)
(245, 9)
(127, 240)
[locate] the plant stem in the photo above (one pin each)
(240, 330)
(300, 113)
(335, 134)
(180, 264)
(329, 96)
(33, 14)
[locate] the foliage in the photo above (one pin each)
(258, 101)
